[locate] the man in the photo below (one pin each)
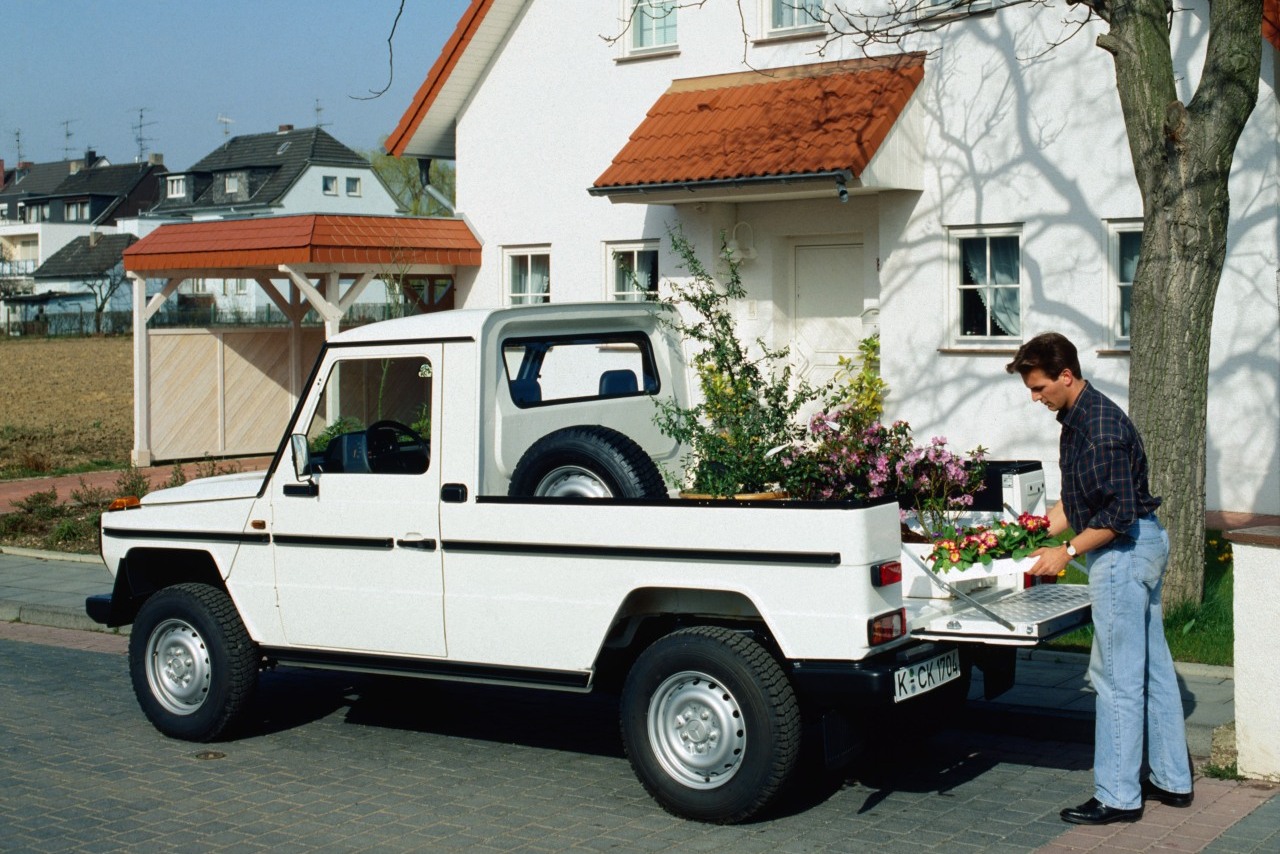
(1106, 503)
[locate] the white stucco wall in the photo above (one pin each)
(1257, 697)
(1012, 138)
(307, 193)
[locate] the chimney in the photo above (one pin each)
(25, 164)
(155, 158)
(94, 238)
(284, 128)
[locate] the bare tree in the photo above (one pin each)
(103, 286)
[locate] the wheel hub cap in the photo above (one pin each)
(178, 668)
(696, 730)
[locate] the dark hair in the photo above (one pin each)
(1050, 352)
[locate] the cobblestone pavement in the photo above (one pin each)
(354, 763)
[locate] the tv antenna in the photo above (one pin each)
(226, 122)
(17, 141)
(66, 139)
(137, 134)
(319, 112)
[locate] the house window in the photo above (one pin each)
(175, 187)
(792, 15)
(75, 211)
(633, 271)
(1126, 243)
(37, 213)
(232, 184)
(329, 184)
(199, 286)
(235, 287)
(988, 275)
(653, 24)
(528, 276)
(353, 186)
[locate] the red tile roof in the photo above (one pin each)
(427, 93)
(803, 120)
(1271, 22)
(317, 239)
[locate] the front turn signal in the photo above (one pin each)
(128, 502)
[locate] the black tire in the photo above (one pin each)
(711, 724)
(194, 667)
(588, 461)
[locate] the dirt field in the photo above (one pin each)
(66, 404)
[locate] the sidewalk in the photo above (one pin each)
(1051, 696)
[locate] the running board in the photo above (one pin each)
(1022, 618)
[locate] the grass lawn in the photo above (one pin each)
(1203, 633)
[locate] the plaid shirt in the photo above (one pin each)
(1104, 468)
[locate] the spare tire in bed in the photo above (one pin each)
(587, 461)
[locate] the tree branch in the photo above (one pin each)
(391, 62)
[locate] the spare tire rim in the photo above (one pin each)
(696, 730)
(178, 668)
(572, 482)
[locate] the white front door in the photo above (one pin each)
(829, 298)
(357, 552)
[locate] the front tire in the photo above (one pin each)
(711, 724)
(193, 665)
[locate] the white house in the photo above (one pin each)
(966, 189)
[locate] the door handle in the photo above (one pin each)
(454, 493)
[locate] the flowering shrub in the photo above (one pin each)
(940, 483)
(961, 549)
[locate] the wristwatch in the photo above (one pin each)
(1071, 550)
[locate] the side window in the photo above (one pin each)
(988, 283)
(634, 271)
(566, 369)
(374, 417)
(1126, 243)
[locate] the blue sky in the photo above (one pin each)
(262, 63)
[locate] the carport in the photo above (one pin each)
(228, 391)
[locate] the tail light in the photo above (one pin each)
(1029, 580)
(884, 574)
(887, 627)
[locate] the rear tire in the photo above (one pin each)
(587, 461)
(711, 724)
(193, 665)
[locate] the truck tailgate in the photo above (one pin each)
(1017, 618)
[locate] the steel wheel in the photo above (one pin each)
(178, 667)
(572, 482)
(696, 730)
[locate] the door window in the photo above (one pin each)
(374, 417)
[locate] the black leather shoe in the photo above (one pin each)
(1093, 811)
(1152, 792)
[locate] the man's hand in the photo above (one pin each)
(1052, 560)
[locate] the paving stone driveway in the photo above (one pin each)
(349, 764)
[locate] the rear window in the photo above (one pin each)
(568, 368)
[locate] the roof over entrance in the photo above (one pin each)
(818, 121)
(330, 241)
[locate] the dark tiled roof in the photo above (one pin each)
(273, 160)
(39, 179)
(79, 260)
(115, 181)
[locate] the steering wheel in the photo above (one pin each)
(386, 453)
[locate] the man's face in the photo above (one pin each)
(1054, 392)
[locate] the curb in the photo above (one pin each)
(54, 616)
(1184, 668)
(40, 554)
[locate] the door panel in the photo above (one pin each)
(829, 300)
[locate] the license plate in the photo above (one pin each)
(925, 675)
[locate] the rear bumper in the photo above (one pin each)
(100, 610)
(858, 684)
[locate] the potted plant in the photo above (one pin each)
(749, 402)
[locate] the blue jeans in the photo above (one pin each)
(1132, 670)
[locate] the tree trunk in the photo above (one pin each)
(1182, 160)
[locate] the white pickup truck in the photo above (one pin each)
(473, 495)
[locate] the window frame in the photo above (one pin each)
(955, 260)
(175, 187)
(769, 31)
(632, 14)
(353, 185)
(632, 248)
(231, 184)
(1115, 285)
(329, 185)
(509, 255)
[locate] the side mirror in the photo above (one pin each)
(301, 456)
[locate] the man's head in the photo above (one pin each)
(1050, 369)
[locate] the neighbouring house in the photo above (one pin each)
(46, 206)
(959, 192)
(79, 279)
(286, 172)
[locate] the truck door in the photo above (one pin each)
(356, 547)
